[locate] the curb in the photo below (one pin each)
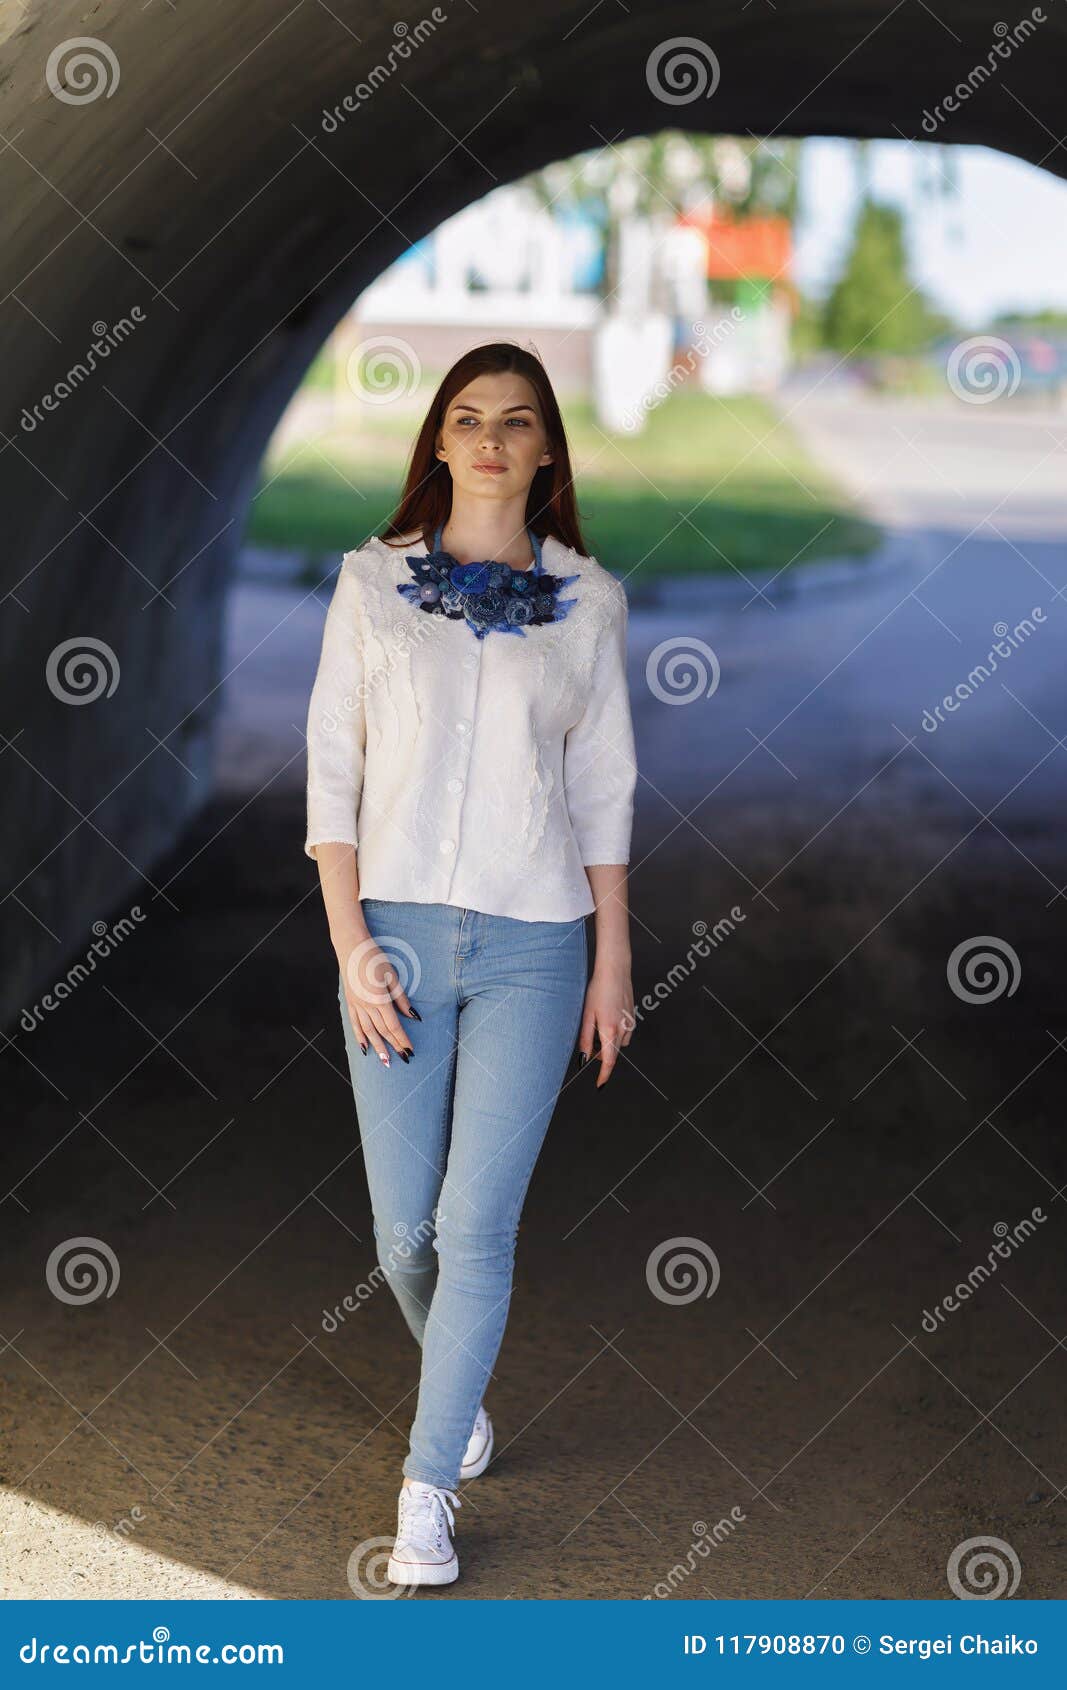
(902, 549)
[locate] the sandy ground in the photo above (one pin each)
(812, 1103)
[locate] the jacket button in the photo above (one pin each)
(463, 726)
(455, 785)
(447, 845)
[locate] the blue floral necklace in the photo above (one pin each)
(489, 597)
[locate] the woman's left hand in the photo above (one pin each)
(608, 1013)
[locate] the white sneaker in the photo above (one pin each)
(423, 1552)
(479, 1447)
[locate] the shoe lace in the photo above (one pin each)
(428, 1509)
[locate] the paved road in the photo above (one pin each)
(833, 678)
(812, 1102)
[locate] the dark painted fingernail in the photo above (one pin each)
(404, 1055)
(582, 1060)
(415, 1013)
(363, 1048)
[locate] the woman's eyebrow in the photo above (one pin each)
(462, 405)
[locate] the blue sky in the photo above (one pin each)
(1000, 243)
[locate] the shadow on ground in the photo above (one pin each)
(190, 1105)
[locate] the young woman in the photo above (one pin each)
(470, 789)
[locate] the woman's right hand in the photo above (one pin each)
(372, 989)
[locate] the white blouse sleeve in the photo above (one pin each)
(599, 763)
(336, 726)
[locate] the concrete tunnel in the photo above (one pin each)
(195, 182)
(843, 1125)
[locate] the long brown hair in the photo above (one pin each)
(427, 496)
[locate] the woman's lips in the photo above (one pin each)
(492, 469)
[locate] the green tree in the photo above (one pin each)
(1047, 317)
(874, 306)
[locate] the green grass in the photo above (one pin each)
(710, 485)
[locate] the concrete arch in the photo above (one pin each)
(200, 185)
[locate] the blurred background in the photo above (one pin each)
(684, 291)
(780, 363)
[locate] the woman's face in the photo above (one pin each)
(493, 437)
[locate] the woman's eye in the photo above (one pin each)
(522, 422)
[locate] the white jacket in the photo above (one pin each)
(478, 772)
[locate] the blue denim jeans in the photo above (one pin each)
(450, 1138)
